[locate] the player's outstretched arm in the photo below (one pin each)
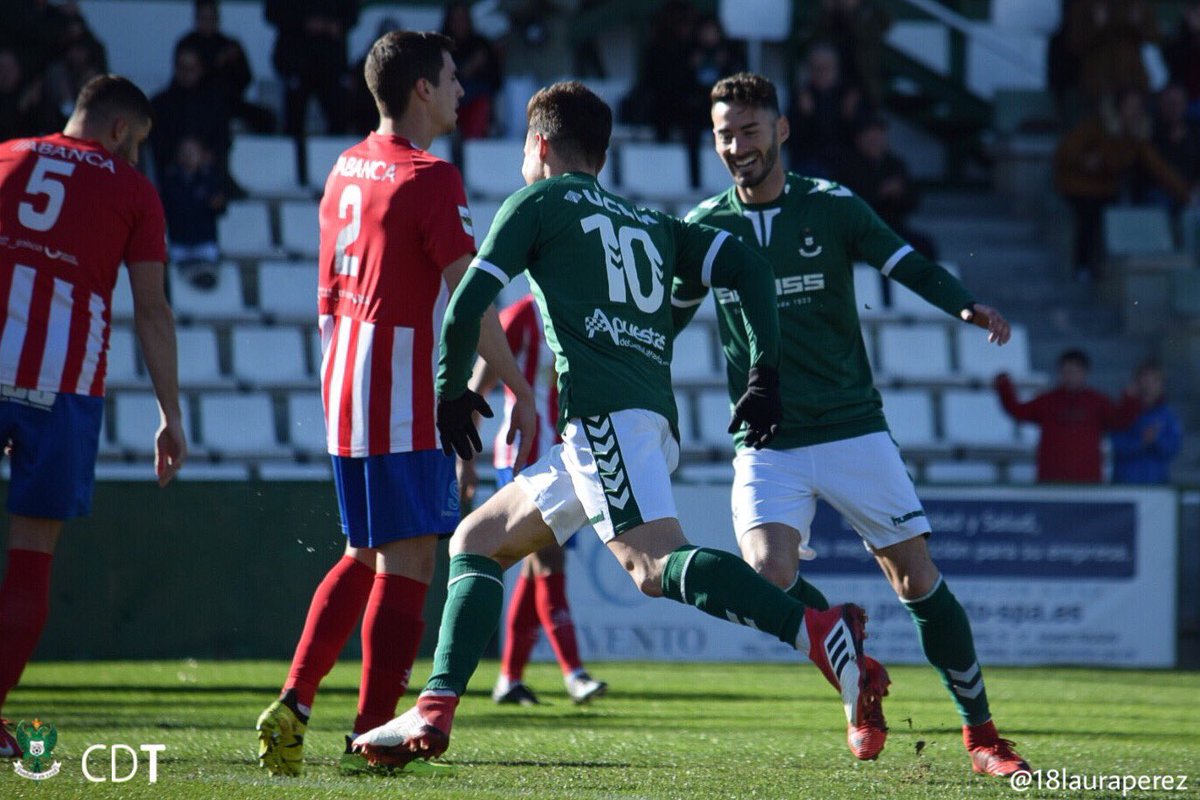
(155, 327)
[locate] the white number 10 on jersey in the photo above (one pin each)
(622, 266)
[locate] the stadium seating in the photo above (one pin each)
(910, 416)
(654, 172)
(981, 472)
(270, 357)
(1140, 231)
(907, 303)
(287, 291)
(976, 418)
(914, 351)
(306, 423)
(122, 298)
(136, 420)
(868, 291)
(979, 358)
(122, 358)
(239, 425)
(298, 228)
(244, 230)
(492, 167)
(693, 357)
(687, 421)
(199, 362)
(712, 407)
(323, 152)
(264, 165)
(714, 177)
(483, 212)
(225, 301)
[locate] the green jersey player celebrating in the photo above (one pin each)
(834, 441)
(601, 271)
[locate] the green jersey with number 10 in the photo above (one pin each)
(812, 234)
(601, 271)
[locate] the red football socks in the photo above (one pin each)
(522, 630)
(336, 607)
(24, 604)
(391, 635)
(555, 615)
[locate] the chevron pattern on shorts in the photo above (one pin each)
(608, 460)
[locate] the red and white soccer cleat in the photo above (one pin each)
(991, 755)
(867, 738)
(835, 645)
(417, 733)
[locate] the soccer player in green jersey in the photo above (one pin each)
(601, 271)
(834, 441)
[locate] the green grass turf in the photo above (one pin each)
(693, 731)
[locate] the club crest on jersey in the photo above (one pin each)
(810, 249)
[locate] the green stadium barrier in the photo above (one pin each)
(197, 570)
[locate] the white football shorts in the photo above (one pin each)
(612, 472)
(863, 478)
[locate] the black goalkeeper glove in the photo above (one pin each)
(457, 428)
(760, 408)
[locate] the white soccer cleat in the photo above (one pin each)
(582, 688)
(407, 737)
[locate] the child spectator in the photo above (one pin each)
(1143, 452)
(192, 199)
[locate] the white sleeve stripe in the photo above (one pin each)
(710, 257)
(895, 259)
(466, 575)
(675, 301)
(493, 270)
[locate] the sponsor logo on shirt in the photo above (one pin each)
(365, 169)
(627, 334)
(48, 252)
(90, 157)
(790, 285)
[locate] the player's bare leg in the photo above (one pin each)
(773, 550)
(492, 538)
(24, 603)
(945, 634)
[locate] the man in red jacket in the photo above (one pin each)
(1073, 418)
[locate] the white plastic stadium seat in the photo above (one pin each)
(287, 290)
(693, 356)
(483, 212)
(914, 351)
(238, 424)
(122, 297)
(299, 229)
(264, 164)
(492, 167)
(712, 408)
(868, 291)
(907, 303)
(982, 359)
(223, 301)
(269, 356)
(198, 361)
(714, 176)
(909, 414)
(1139, 231)
(306, 422)
(687, 423)
(976, 418)
(323, 152)
(122, 358)
(983, 472)
(137, 418)
(655, 171)
(245, 229)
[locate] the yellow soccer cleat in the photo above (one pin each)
(281, 740)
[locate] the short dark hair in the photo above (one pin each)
(746, 88)
(206, 4)
(576, 122)
(397, 61)
(108, 96)
(1077, 356)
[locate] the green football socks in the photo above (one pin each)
(726, 587)
(807, 594)
(474, 597)
(945, 634)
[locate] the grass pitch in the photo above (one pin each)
(693, 731)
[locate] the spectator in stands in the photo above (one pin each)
(226, 67)
(190, 107)
(1098, 161)
(881, 178)
(666, 91)
(1107, 36)
(22, 110)
(714, 55)
(824, 114)
(310, 56)
(1143, 452)
(80, 58)
(1177, 138)
(478, 71)
(1072, 417)
(1182, 54)
(856, 29)
(1062, 70)
(193, 196)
